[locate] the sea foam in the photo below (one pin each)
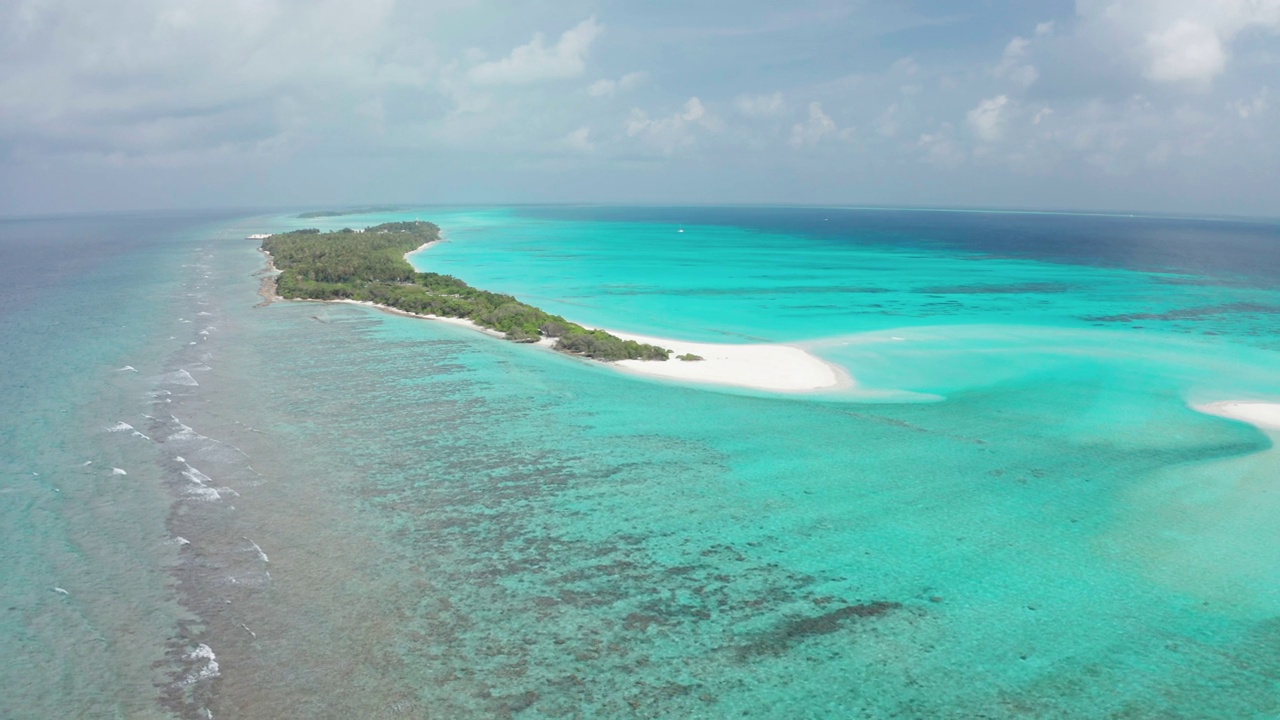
(180, 377)
(205, 665)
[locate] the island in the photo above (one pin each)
(370, 266)
(353, 211)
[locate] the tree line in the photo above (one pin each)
(369, 265)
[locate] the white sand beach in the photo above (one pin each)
(460, 322)
(772, 367)
(759, 366)
(1260, 414)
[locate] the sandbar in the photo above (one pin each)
(1263, 415)
(756, 366)
(775, 367)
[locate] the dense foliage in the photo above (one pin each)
(369, 265)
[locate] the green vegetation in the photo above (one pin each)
(689, 357)
(354, 211)
(369, 265)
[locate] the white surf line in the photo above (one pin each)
(202, 489)
(255, 547)
(1263, 415)
(180, 377)
(122, 426)
(193, 434)
(201, 654)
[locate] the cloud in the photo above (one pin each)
(761, 105)
(192, 80)
(887, 124)
(940, 149)
(1013, 65)
(1185, 51)
(988, 120)
(819, 126)
(535, 62)
(580, 140)
(605, 87)
(1251, 107)
(674, 131)
(905, 66)
(204, 88)
(1177, 41)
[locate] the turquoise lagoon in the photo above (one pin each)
(1015, 513)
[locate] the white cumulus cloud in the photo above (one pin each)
(580, 139)
(761, 105)
(887, 124)
(818, 126)
(1185, 50)
(988, 120)
(1251, 107)
(1179, 41)
(1014, 66)
(535, 61)
(605, 87)
(940, 149)
(674, 131)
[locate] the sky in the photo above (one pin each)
(1131, 105)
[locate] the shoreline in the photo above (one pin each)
(773, 367)
(770, 367)
(267, 288)
(1263, 415)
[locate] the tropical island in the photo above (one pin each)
(369, 265)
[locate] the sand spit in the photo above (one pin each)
(1263, 415)
(770, 367)
(773, 367)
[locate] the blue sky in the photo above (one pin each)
(1153, 105)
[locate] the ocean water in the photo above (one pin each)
(330, 511)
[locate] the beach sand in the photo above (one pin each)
(1259, 414)
(762, 366)
(757, 366)
(770, 367)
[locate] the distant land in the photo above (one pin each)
(353, 211)
(370, 266)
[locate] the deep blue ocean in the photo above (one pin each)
(211, 506)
